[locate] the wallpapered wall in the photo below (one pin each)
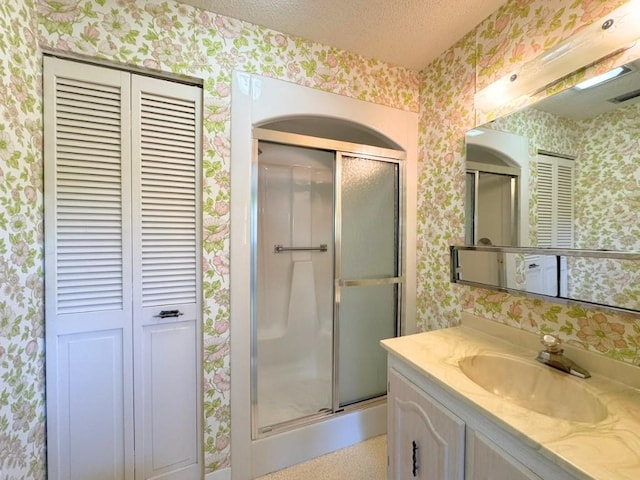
(515, 33)
(608, 181)
(171, 37)
(164, 36)
(22, 423)
(608, 205)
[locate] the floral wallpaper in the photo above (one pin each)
(446, 112)
(22, 424)
(543, 130)
(164, 36)
(608, 181)
(171, 37)
(515, 33)
(607, 205)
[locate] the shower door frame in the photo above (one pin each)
(340, 283)
(340, 149)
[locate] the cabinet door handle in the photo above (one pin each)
(168, 314)
(414, 458)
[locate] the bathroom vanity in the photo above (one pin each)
(528, 421)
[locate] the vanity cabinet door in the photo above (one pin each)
(426, 440)
(487, 461)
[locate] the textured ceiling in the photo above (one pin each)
(408, 33)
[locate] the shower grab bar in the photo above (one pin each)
(370, 282)
(280, 249)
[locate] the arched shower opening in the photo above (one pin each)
(308, 169)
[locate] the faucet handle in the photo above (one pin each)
(551, 342)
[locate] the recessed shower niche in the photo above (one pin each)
(322, 260)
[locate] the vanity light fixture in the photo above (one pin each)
(605, 77)
(614, 33)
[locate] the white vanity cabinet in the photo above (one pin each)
(426, 441)
(433, 434)
(487, 461)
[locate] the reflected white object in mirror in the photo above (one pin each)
(589, 277)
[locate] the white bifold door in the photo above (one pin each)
(122, 260)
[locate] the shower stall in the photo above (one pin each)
(326, 276)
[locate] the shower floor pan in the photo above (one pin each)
(283, 398)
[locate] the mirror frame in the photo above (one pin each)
(455, 270)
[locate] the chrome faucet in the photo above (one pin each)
(552, 356)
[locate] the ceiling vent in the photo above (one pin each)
(626, 96)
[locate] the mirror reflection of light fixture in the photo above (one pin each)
(605, 77)
(616, 32)
(474, 133)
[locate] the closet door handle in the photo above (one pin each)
(168, 314)
(414, 458)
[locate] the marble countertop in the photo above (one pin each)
(606, 450)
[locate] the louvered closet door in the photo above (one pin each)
(555, 223)
(122, 275)
(555, 202)
(166, 268)
(88, 287)
(545, 206)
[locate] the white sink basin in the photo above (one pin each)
(535, 387)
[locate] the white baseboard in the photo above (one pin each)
(224, 474)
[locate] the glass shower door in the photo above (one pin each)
(293, 285)
(327, 281)
(367, 274)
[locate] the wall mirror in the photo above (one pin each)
(561, 177)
